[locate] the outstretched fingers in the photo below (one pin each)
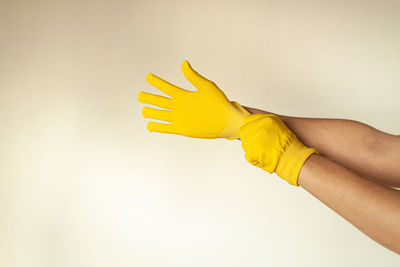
(163, 85)
(193, 76)
(161, 127)
(156, 100)
(157, 114)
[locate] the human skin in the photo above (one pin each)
(336, 176)
(372, 208)
(371, 153)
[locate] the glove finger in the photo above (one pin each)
(163, 85)
(152, 113)
(193, 76)
(156, 100)
(244, 131)
(252, 160)
(258, 163)
(161, 127)
(248, 158)
(253, 123)
(248, 125)
(247, 130)
(249, 144)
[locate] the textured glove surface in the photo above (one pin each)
(269, 144)
(205, 113)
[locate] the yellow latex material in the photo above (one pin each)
(269, 144)
(205, 113)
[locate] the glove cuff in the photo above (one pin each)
(235, 120)
(292, 160)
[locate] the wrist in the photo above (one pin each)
(235, 119)
(292, 160)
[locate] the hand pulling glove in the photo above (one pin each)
(269, 144)
(205, 113)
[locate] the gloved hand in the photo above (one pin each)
(269, 144)
(205, 113)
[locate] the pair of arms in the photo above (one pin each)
(353, 174)
(353, 171)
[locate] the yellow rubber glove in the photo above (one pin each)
(205, 113)
(269, 144)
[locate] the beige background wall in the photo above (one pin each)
(82, 183)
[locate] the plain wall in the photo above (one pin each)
(83, 183)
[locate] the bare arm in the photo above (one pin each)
(371, 207)
(365, 150)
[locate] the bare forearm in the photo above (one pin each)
(372, 208)
(357, 146)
